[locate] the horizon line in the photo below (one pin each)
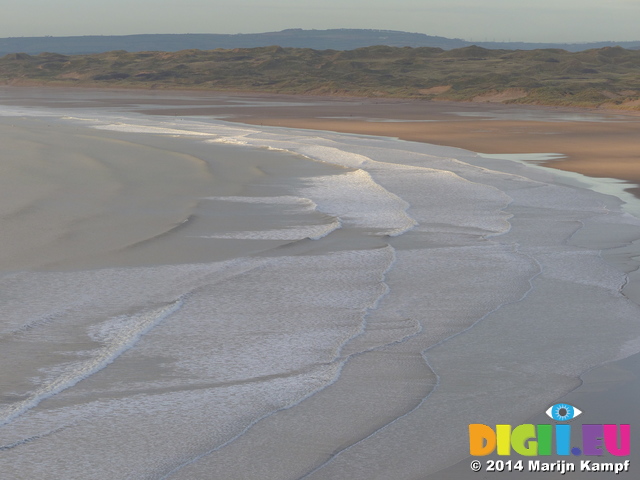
(575, 42)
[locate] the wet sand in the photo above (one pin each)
(597, 149)
(76, 198)
(592, 142)
(486, 128)
(596, 143)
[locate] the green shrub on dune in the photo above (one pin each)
(599, 77)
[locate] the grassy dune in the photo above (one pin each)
(607, 76)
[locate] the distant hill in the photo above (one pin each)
(608, 76)
(336, 39)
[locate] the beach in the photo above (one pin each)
(201, 286)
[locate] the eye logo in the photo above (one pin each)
(563, 412)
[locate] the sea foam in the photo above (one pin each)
(432, 282)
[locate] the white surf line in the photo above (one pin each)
(117, 345)
(145, 125)
(298, 232)
(312, 232)
(365, 167)
(368, 165)
(374, 306)
(338, 363)
(33, 438)
(133, 128)
(423, 354)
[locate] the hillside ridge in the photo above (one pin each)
(336, 39)
(605, 77)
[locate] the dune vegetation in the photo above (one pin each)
(604, 77)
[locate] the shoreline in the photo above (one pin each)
(598, 149)
(585, 136)
(600, 385)
(446, 118)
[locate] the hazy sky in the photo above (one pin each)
(500, 20)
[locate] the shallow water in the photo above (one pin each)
(186, 298)
(542, 116)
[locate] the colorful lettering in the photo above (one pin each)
(530, 440)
